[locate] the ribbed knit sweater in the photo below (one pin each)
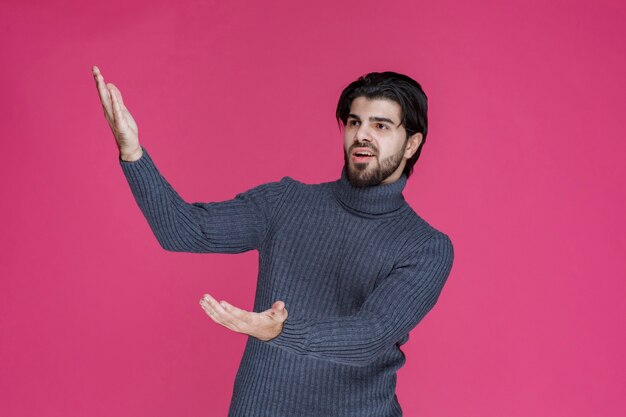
(356, 267)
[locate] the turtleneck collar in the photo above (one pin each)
(377, 199)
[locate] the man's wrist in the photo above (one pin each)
(131, 156)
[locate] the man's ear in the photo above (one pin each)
(412, 145)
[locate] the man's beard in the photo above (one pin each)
(362, 175)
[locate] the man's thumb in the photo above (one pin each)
(279, 310)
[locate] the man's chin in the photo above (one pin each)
(360, 178)
(361, 166)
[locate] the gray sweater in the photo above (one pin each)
(357, 269)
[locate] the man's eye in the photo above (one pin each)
(382, 126)
(353, 122)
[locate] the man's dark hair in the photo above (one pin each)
(403, 90)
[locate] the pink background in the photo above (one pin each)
(523, 168)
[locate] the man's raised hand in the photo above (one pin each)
(264, 326)
(119, 118)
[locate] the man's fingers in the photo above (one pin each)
(235, 316)
(220, 315)
(103, 92)
(278, 305)
(117, 109)
(118, 95)
(209, 303)
(277, 311)
(237, 312)
(211, 312)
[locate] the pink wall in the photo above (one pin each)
(523, 168)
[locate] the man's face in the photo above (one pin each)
(373, 127)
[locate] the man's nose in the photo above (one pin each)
(362, 134)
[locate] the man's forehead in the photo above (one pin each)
(376, 107)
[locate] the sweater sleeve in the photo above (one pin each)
(395, 307)
(231, 226)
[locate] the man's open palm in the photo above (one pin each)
(264, 326)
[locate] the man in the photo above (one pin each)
(346, 268)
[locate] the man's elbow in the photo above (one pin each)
(171, 245)
(362, 356)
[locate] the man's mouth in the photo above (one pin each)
(362, 155)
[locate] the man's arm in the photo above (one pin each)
(231, 226)
(395, 307)
(388, 314)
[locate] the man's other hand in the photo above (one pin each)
(264, 326)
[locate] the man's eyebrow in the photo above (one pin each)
(382, 119)
(373, 119)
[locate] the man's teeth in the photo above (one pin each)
(364, 154)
